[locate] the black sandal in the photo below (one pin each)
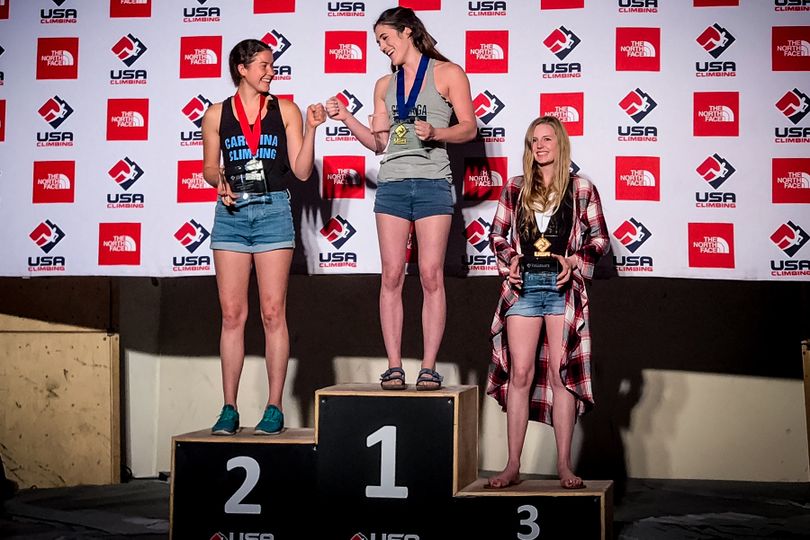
(393, 374)
(429, 379)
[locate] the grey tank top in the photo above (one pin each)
(432, 162)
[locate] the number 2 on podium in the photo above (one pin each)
(386, 436)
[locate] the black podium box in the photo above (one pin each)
(536, 509)
(392, 456)
(379, 465)
(242, 486)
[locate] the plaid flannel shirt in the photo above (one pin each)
(588, 241)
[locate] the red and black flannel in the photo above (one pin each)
(589, 240)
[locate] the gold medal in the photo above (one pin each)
(400, 135)
(542, 245)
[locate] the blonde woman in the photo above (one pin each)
(558, 233)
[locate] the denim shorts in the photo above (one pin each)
(415, 198)
(539, 296)
(260, 222)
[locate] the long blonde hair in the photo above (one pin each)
(534, 195)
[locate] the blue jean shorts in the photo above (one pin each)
(415, 198)
(260, 222)
(539, 296)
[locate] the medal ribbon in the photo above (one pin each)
(403, 107)
(253, 134)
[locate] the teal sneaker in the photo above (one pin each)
(228, 422)
(272, 422)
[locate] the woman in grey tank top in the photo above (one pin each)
(415, 104)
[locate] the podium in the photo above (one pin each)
(378, 465)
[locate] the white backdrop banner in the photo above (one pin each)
(692, 117)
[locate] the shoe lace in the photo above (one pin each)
(227, 414)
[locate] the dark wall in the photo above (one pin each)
(725, 327)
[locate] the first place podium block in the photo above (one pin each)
(394, 458)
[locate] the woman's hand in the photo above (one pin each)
(424, 130)
(316, 115)
(567, 266)
(224, 190)
(336, 109)
(515, 278)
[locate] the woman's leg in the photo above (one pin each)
(233, 274)
(272, 274)
(392, 233)
(563, 404)
(523, 334)
(431, 234)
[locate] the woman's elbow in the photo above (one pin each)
(470, 131)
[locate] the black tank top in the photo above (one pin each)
(272, 144)
(557, 232)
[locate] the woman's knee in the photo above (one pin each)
(273, 315)
(520, 377)
(234, 317)
(432, 279)
(393, 277)
(554, 379)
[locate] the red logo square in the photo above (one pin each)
(562, 4)
(128, 8)
(191, 186)
(712, 3)
(421, 4)
(716, 114)
(638, 178)
(345, 51)
(285, 96)
(54, 181)
(487, 51)
(4, 9)
(128, 119)
(638, 49)
(568, 108)
(344, 177)
(273, 6)
(484, 178)
(791, 180)
(790, 48)
(58, 58)
(200, 57)
(2, 120)
(119, 244)
(711, 245)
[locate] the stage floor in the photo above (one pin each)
(646, 509)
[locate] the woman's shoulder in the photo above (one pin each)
(447, 68)
(381, 86)
(286, 105)
(580, 182)
(214, 111)
(514, 181)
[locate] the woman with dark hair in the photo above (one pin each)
(254, 146)
(558, 232)
(412, 111)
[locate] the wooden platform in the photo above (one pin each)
(389, 457)
(246, 435)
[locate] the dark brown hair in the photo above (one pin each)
(400, 18)
(243, 53)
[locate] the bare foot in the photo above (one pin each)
(568, 480)
(508, 477)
